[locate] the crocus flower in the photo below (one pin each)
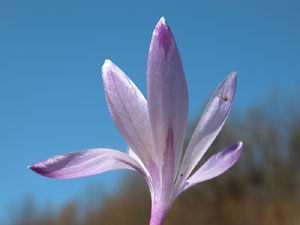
(154, 129)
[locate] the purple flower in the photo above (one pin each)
(155, 129)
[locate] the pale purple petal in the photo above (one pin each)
(216, 165)
(209, 125)
(167, 99)
(151, 171)
(132, 154)
(128, 109)
(85, 163)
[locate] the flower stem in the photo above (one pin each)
(159, 213)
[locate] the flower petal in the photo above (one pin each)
(210, 124)
(216, 165)
(85, 163)
(133, 155)
(167, 99)
(128, 109)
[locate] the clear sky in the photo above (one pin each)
(51, 91)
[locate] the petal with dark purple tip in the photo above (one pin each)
(216, 165)
(85, 163)
(210, 124)
(167, 94)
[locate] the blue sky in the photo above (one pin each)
(51, 91)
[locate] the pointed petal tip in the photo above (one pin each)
(232, 75)
(163, 35)
(30, 166)
(161, 26)
(107, 63)
(231, 80)
(39, 169)
(237, 149)
(162, 21)
(238, 146)
(107, 69)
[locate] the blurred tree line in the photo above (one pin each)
(263, 188)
